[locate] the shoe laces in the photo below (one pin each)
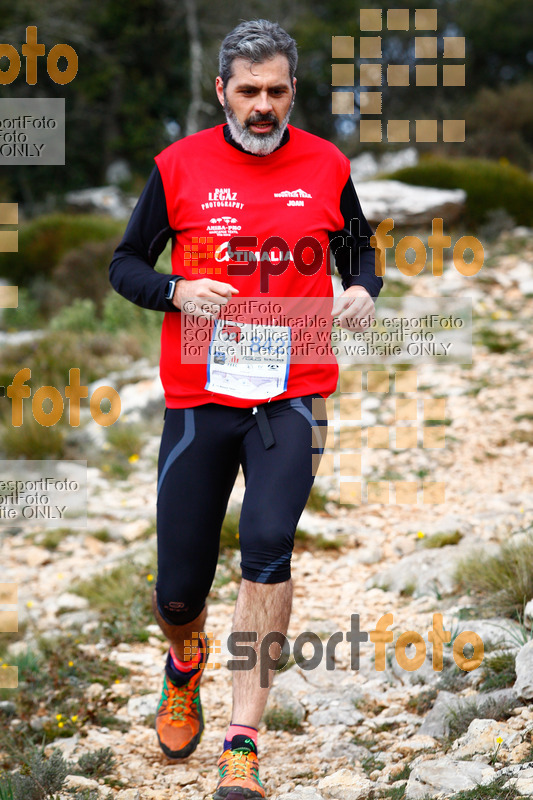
(239, 763)
(179, 701)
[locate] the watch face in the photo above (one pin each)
(169, 294)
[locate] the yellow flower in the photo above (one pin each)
(522, 509)
(499, 740)
(420, 534)
(59, 716)
(60, 724)
(496, 315)
(4, 666)
(149, 577)
(29, 604)
(71, 663)
(117, 680)
(74, 718)
(133, 458)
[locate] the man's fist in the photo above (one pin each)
(202, 297)
(354, 309)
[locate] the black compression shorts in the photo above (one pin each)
(201, 450)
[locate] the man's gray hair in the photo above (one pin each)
(257, 40)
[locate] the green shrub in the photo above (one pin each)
(32, 440)
(499, 121)
(120, 315)
(281, 719)
(80, 316)
(97, 764)
(442, 539)
(498, 671)
(84, 272)
(503, 582)
(26, 316)
(488, 185)
(45, 240)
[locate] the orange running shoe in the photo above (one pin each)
(179, 720)
(239, 775)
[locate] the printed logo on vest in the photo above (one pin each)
(298, 194)
(222, 197)
(223, 226)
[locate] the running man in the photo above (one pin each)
(239, 177)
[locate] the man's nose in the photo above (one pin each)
(263, 104)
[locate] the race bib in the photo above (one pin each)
(248, 360)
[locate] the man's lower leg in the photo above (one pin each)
(178, 634)
(179, 718)
(261, 608)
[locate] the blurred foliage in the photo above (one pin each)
(499, 124)
(132, 94)
(45, 241)
(488, 185)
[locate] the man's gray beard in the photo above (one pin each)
(260, 144)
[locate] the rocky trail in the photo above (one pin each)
(342, 733)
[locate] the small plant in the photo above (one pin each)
(123, 596)
(422, 702)
(372, 763)
(97, 764)
(498, 671)
(52, 539)
(442, 539)
(498, 341)
(32, 440)
(40, 778)
(502, 582)
(494, 755)
(394, 793)
(488, 791)
(281, 719)
(317, 501)
(460, 718)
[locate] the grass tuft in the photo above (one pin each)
(442, 539)
(498, 671)
(281, 719)
(470, 709)
(502, 582)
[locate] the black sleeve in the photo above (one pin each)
(355, 257)
(131, 271)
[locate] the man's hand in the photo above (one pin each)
(202, 297)
(354, 309)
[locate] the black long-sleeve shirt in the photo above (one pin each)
(132, 272)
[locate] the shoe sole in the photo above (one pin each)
(185, 752)
(236, 793)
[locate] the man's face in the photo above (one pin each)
(258, 100)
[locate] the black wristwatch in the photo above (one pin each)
(171, 286)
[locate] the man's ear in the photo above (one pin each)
(219, 86)
(294, 85)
